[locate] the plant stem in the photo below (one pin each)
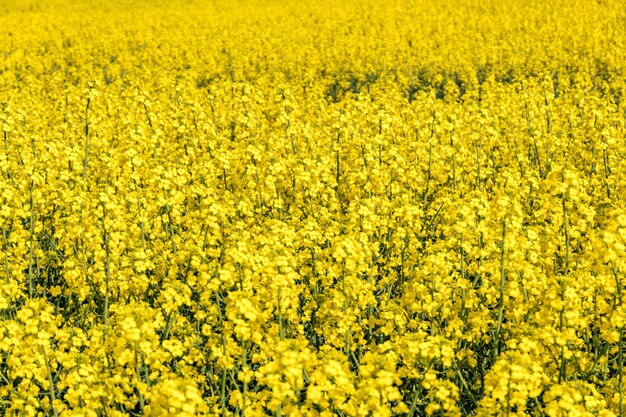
(86, 160)
(501, 295)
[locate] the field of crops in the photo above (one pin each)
(307, 208)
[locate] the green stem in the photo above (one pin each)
(86, 159)
(501, 295)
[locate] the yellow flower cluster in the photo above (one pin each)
(303, 208)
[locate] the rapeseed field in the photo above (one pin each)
(312, 208)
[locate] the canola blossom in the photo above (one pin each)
(306, 208)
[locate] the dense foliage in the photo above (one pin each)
(305, 208)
